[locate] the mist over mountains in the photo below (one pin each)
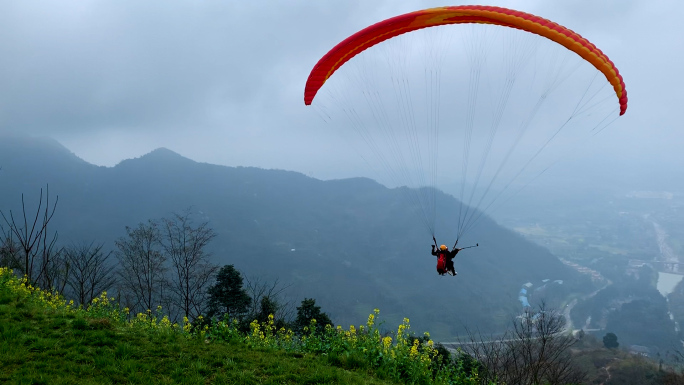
(352, 244)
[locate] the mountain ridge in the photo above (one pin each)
(352, 244)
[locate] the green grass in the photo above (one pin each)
(45, 340)
(48, 346)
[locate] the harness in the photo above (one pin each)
(441, 262)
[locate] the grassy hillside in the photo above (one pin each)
(45, 340)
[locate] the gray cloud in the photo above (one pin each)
(222, 81)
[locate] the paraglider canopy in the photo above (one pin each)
(412, 21)
(501, 95)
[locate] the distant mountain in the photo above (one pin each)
(351, 244)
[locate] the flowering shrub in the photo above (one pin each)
(22, 289)
(102, 307)
(408, 359)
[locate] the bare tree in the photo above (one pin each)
(267, 298)
(90, 272)
(191, 271)
(142, 267)
(535, 351)
(57, 270)
(9, 251)
(35, 246)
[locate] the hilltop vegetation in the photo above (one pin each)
(619, 367)
(46, 340)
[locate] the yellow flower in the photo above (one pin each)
(386, 342)
(413, 352)
(165, 322)
(414, 348)
(376, 311)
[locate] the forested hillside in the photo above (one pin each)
(353, 245)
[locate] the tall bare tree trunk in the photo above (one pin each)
(35, 246)
(185, 245)
(142, 266)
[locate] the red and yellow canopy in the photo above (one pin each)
(408, 22)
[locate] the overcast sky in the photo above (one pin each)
(222, 81)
